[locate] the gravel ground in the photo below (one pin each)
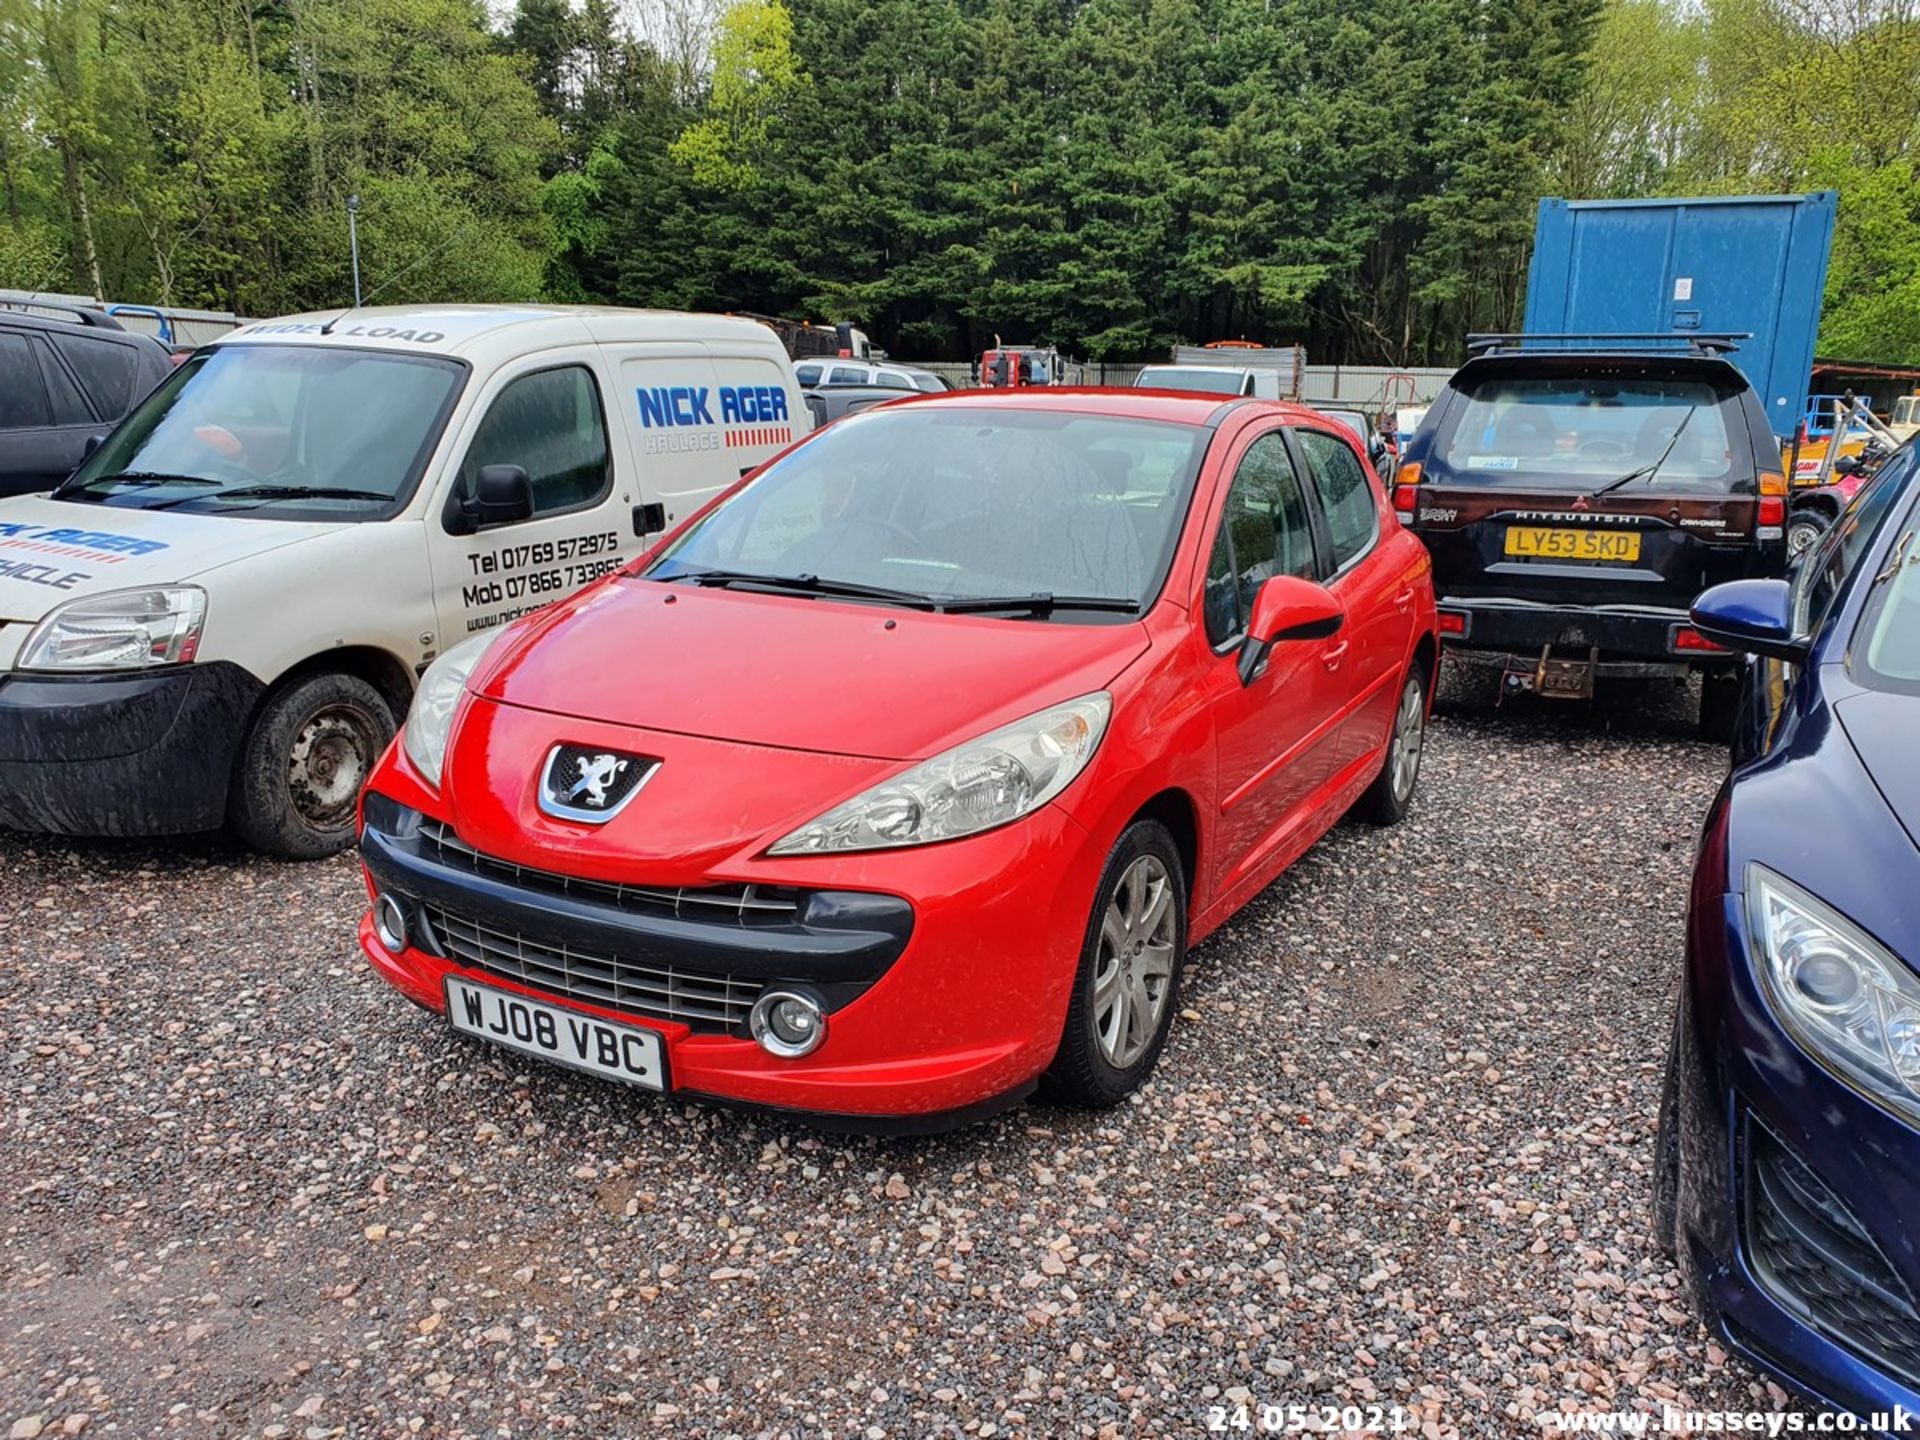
(1396, 1153)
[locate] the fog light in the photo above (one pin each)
(787, 1024)
(390, 922)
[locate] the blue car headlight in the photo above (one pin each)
(1851, 1002)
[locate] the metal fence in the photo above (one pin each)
(1360, 386)
(190, 327)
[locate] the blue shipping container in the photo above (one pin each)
(1753, 264)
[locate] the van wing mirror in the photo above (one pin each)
(1287, 608)
(1753, 616)
(502, 494)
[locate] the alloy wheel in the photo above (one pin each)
(1409, 738)
(1133, 971)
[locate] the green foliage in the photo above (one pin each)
(197, 154)
(1763, 96)
(1110, 176)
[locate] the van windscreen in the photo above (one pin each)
(1578, 432)
(274, 428)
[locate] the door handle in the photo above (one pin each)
(1403, 599)
(1333, 655)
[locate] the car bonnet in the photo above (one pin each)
(53, 551)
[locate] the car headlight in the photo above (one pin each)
(430, 718)
(973, 787)
(121, 630)
(1847, 998)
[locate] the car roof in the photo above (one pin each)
(98, 324)
(496, 332)
(1184, 407)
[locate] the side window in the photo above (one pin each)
(846, 375)
(807, 374)
(894, 378)
(23, 399)
(63, 396)
(551, 425)
(1264, 531)
(1824, 573)
(1345, 495)
(105, 370)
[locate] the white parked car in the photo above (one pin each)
(1260, 381)
(814, 371)
(221, 615)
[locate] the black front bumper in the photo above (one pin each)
(1623, 640)
(677, 955)
(122, 754)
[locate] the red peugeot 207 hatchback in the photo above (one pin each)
(900, 778)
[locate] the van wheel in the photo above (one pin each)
(1719, 707)
(1388, 799)
(1128, 982)
(311, 748)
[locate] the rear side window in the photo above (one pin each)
(1579, 431)
(550, 424)
(63, 397)
(807, 374)
(105, 369)
(1264, 531)
(1345, 496)
(847, 375)
(23, 398)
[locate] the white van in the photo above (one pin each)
(1261, 381)
(220, 616)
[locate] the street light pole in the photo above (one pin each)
(353, 240)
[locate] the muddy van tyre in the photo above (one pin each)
(301, 767)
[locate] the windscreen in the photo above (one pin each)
(958, 502)
(1579, 432)
(1181, 377)
(249, 426)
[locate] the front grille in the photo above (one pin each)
(1810, 1253)
(740, 904)
(699, 1000)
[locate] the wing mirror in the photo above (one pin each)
(1754, 616)
(1287, 608)
(502, 494)
(1847, 465)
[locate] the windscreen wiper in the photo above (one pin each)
(299, 492)
(1649, 470)
(1038, 603)
(804, 584)
(130, 480)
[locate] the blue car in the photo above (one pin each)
(1787, 1181)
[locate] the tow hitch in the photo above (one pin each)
(1550, 678)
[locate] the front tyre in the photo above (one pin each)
(311, 748)
(1128, 982)
(1719, 707)
(1388, 799)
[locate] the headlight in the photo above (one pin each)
(121, 630)
(973, 787)
(430, 719)
(1846, 998)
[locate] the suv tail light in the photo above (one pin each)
(1406, 481)
(1685, 638)
(1773, 498)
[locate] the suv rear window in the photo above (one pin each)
(1579, 432)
